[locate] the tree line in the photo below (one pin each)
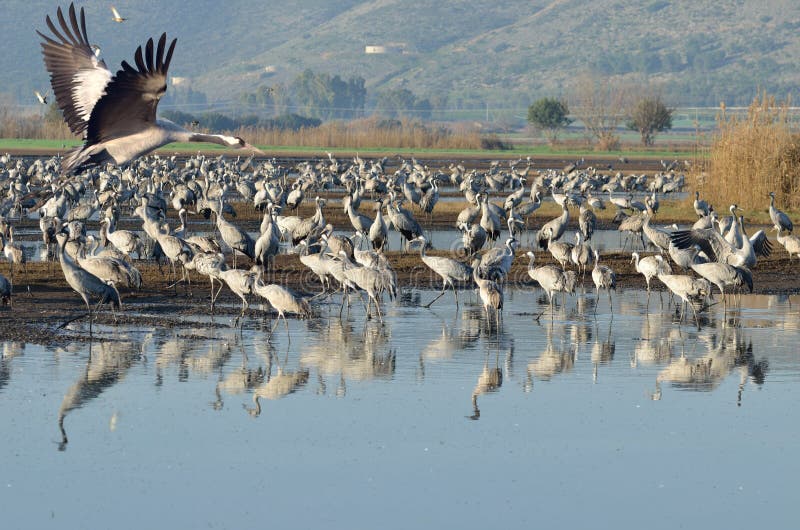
(602, 107)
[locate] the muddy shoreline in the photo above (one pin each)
(40, 317)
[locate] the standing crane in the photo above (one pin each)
(779, 218)
(491, 294)
(283, 301)
(554, 229)
(693, 291)
(722, 274)
(603, 278)
(448, 269)
(86, 284)
(235, 237)
(790, 242)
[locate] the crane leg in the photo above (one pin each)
(286, 322)
(444, 288)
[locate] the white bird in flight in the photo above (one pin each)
(117, 17)
(41, 97)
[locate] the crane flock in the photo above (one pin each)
(108, 177)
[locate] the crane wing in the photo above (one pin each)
(131, 97)
(77, 76)
(761, 244)
(707, 239)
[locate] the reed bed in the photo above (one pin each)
(16, 125)
(755, 154)
(368, 133)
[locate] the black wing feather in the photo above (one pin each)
(132, 96)
(65, 56)
(684, 239)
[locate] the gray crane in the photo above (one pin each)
(14, 254)
(111, 270)
(779, 218)
(491, 294)
(473, 238)
(378, 231)
(718, 249)
(267, 245)
(549, 277)
(722, 274)
(554, 229)
(240, 282)
(235, 237)
(370, 280)
(692, 291)
(86, 284)
(496, 262)
(633, 224)
(560, 250)
(123, 240)
(701, 207)
(206, 264)
(650, 267)
(489, 219)
(115, 113)
(581, 254)
(603, 278)
(587, 221)
(790, 242)
(360, 222)
(448, 269)
(657, 236)
(685, 258)
(283, 301)
(403, 222)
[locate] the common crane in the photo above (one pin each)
(114, 113)
(779, 218)
(448, 269)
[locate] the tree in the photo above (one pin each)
(401, 102)
(601, 106)
(550, 115)
(649, 116)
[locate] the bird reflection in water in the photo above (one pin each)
(602, 352)
(241, 379)
(340, 352)
(107, 364)
(552, 361)
(11, 349)
(278, 386)
(727, 352)
(490, 380)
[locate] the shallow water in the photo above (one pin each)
(436, 418)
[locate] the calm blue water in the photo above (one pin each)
(632, 421)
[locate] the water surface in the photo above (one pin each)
(435, 418)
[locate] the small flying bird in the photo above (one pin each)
(41, 97)
(117, 17)
(114, 113)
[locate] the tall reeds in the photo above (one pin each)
(755, 154)
(367, 133)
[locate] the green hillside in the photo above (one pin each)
(457, 53)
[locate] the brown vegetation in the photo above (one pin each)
(753, 155)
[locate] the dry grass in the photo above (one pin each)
(753, 155)
(368, 133)
(15, 125)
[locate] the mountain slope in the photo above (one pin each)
(463, 52)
